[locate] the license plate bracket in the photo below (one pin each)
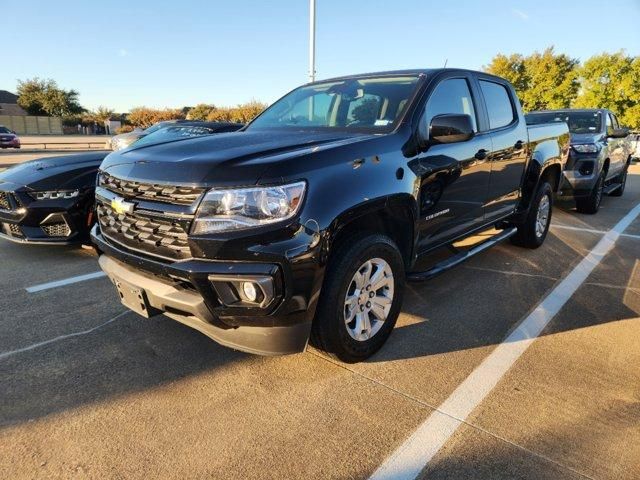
(135, 298)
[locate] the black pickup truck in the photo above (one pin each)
(306, 223)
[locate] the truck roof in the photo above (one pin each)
(585, 110)
(414, 71)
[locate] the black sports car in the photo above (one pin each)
(50, 200)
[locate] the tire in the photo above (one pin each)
(591, 204)
(622, 180)
(331, 331)
(533, 231)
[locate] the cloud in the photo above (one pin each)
(123, 53)
(519, 13)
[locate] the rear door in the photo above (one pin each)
(454, 189)
(617, 147)
(509, 141)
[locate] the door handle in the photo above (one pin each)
(481, 154)
(519, 145)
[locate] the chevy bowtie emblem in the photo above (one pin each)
(120, 206)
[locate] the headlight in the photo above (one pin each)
(241, 208)
(585, 148)
(54, 194)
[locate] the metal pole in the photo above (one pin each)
(312, 40)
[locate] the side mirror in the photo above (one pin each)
(450, 128)
(618, 133)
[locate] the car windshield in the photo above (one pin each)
(579, 122)
(361, 104)
(4, 130)
(175, 132)
(155, 128)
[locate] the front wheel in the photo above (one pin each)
(591, 204)
(532, 232)
(361, 298)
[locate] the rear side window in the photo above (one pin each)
(451, 97)
(498, 103)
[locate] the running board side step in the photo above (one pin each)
(460, 257)
(612, 187)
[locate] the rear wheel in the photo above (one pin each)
(361, 298)
(622, 180)
(533, 231)
(591, 204)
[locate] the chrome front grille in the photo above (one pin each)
(177, 195)
(156, 235)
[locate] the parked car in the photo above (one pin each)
(599, 157)
(123, 140)
(635, 146)
(8, 138)
(51, 200)
(308, 220)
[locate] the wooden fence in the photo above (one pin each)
(32, 125)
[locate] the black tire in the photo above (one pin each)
(591, 204)
(330, 331)
(528, 235)
(622, 180)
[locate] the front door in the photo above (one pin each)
(454, 185)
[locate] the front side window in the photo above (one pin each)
(498, 103)
(373, 104)
(609, 124)
(4, 130)
(451, 97)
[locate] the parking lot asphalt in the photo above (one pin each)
(89, 390)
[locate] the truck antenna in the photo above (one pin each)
(445, 63)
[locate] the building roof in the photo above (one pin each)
(8, 97)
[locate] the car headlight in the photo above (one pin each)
(585, 148)
(54, 194)
(242, 208)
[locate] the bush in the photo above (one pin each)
(124, 129)
(241, 114)
(144, 117)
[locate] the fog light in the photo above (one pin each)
(250, 291)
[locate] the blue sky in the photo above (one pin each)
(123, 54)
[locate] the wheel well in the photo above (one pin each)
(396, 222)
(552, 174)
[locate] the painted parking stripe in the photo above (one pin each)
(591, 230)
(61, 337)
(65, 281)
(425, 442)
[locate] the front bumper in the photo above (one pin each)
(576, 185)
(60, 222)
(192, 292)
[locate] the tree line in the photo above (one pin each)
(543, 80)
(549, 80)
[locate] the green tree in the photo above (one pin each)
(542, 80)
(612, 80)
(200, 111)
(144, 117)
(44, 97)
(102, 114)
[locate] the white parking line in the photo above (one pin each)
(61, 337)
(416, 452)
(65, 281)
(591, 230)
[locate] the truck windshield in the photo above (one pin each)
(579, 122)
(361, 104)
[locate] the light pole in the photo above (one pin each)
(312, 40)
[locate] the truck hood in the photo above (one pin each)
(51, 172)
(237, 158)
(578, 138)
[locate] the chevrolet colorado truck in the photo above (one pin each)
(599, 157)
(307, 222)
